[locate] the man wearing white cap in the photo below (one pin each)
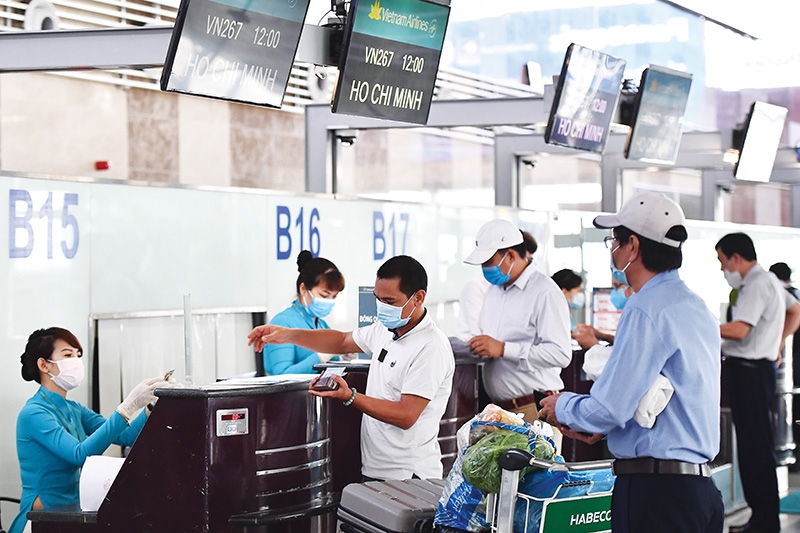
(665, 329)
(524, 323)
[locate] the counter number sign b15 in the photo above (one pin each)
(27, 222)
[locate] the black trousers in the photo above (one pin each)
(751, 393)
(666, 503)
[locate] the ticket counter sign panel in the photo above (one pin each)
(390, 59)
(367, 306)
(589, 514)
(585, 100)
(238, 50)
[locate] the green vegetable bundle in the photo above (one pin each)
(480, 466)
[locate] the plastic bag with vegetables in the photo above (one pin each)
(480, 466)
(493, 413)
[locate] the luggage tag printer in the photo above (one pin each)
(326, 382)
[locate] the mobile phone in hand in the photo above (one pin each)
(326, 381)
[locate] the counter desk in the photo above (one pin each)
(236, 456)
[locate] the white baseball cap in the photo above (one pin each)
(649, 214)
(496, 234)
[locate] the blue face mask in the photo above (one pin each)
(320, 307)
(618, 298)
(578, 301)
(391, 316)
(619, 275)
(494, 275)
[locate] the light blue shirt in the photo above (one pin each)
(665, 328)
(54, 438)
(288, 358)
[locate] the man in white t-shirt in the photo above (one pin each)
(410, 376)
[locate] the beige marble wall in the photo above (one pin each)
(153, 136)
(267, 148)
(204, 141)
(56, 125)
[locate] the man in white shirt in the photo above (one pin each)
(470, 301)
(410, 376)
(762, 316)
(524, 323)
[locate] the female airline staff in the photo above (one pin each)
(318, 284)
(571, 284)
(56, 435)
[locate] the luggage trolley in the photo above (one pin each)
(558, 515)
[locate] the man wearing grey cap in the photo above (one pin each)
(524, 323)
(665, 329)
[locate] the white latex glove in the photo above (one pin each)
(141, 395)
(169, 383)
(325, 357)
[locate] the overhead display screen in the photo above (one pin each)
(239, 50)
(657, 124)
(390, 59)
(759, 142)
(585, 99)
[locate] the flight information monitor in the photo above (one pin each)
(239, 50)
(758, 141)
(586, 97)
(657, 122)
(390, 59)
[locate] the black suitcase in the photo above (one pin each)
(404, 506)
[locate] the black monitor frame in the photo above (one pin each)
(339, 103)
(237, 26)
(663, 144)
(587, 126)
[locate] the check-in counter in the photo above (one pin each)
(346, 421)
(237, 456)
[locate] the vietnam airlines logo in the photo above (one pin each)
(375, 10)
(410, 21)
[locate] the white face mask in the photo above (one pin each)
(733, 278)
(70, 373)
